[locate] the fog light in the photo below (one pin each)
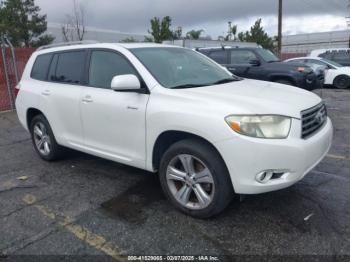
(264, 176)
(267, 175)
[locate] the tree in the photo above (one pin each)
(160, 30)
(128, 40)
(73, 28)
(21, 22)
(177, 34)
(258, 35)
(148, 39)
(232, 32)
(194, 34)
(43, 40)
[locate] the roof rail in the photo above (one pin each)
(85, 42)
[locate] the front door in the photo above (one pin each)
(240, 64)
(113, 122)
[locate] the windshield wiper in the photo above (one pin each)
(186, 86)
(224, 81)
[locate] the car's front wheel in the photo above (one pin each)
(44, 140)
(195, 179)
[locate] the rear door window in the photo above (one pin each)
(41, 67)
(69, 68)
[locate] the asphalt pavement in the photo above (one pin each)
(87, 208)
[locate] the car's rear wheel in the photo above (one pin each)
(44, 140)
(342, 82)
(195, 178)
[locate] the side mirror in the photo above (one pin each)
(125, 83)
(254, 62)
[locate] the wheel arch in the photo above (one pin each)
(339, 76)
(168, 138)
(31, 113)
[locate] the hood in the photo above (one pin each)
(344, 70)
(284, 65)
(253, 97)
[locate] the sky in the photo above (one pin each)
(132, 16)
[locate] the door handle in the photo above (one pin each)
(232, 68)
(46, 93)
(87, 99)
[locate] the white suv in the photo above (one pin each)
(173, 111)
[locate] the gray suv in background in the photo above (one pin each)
(262, 64)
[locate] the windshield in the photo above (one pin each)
(181, 68)
(267, 55)
(331, 62)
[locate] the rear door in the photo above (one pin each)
(62, 94)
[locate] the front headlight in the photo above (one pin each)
(263, 126)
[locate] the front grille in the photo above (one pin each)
(313, 119)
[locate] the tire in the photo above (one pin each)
(284, 82)
(200, 158)
(342, 82)
(44, 140)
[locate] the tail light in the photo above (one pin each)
(17, 88)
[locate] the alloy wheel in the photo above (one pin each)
(190, 182)
(42, 139)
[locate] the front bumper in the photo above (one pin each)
(246, 157)
(309, 82)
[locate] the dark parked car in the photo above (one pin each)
(262, 64)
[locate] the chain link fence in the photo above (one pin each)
(12, 63)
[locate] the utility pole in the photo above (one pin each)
(348, 20)
(280, 8)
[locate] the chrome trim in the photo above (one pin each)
(313, 119)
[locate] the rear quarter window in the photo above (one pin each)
(41, 67)
(69, 67)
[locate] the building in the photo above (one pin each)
(101, 35)
(189, 43)
(305, 43)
